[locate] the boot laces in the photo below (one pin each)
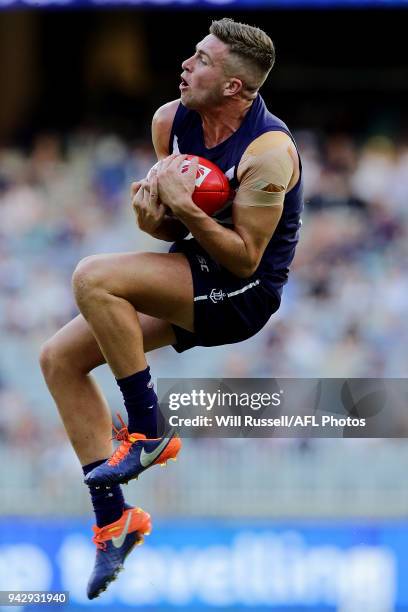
(122, 435)
(97, 539)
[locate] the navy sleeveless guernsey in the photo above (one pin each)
(187, 137)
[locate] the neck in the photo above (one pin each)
(220, 122)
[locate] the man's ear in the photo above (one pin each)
(233, 86)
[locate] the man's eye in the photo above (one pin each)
(202, 60)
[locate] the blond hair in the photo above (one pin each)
(251, 50)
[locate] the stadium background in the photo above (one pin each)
(282, 525)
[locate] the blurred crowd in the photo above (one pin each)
(343, 311)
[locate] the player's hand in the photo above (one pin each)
(175, 186)
(145, 201)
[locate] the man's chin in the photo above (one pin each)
(188, 101)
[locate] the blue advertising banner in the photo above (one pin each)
(196, 565)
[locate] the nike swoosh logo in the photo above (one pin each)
(118, 541)
(147, 459)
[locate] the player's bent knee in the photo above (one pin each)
(88, 276)
(50, 359)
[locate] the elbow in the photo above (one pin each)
(248, 262)
(247, 269)
(246, 272)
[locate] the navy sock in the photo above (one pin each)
(108, 502)
(140, 402)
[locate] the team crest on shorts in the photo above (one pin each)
(217, 295)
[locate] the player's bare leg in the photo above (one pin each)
(66, 361)
(111, 290)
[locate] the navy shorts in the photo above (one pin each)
(227, 308)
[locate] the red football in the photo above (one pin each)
(212, 187)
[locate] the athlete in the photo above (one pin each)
(220, 286)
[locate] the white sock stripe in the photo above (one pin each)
(242, 290)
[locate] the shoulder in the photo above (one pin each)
(271, 140)
(161, 127)
(166, 113)
(272, 152)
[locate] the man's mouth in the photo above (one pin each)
(183, 84)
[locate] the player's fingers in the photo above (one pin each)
(154, 194)
(165, 163)
(146, 195)
(190, 172)
(134, 188)
(139, 197)
(153, 169)
(193, 167)
(158, 213)
(175, 163)
(156, 169)
(145, 207)
(143, 184)
(136, 204)
(180, 160)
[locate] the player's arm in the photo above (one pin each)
(170, 228)
(267, 168)
(161, 128)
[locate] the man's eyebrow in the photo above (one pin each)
(203, 53)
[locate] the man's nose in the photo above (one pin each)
(187, 64)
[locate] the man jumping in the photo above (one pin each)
(243, 252)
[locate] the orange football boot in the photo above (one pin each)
(134, 455)
(113, 544)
